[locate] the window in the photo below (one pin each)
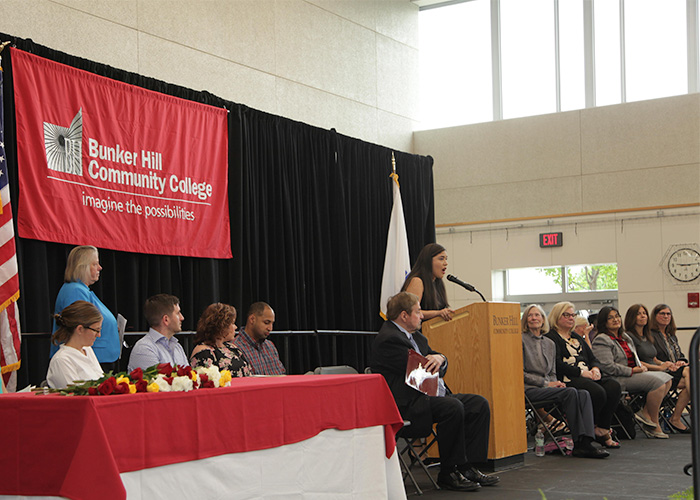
(571, 61)
(608, 66)
(639, 50)
(655, 49)
(455, 65)
(587, 286)
(527, 48)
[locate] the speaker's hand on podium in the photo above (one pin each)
(446, 313)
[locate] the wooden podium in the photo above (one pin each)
(483, 345)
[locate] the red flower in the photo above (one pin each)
(141, 385)
(169, 380)
(165, 369)
(107, 387)
(209, 384)
(136, 374)
(122, 388)
(184, 371)
(203, 377)
(92, 391)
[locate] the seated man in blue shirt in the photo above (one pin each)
(159, 345)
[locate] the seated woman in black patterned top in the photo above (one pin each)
(214, 341)
(577, 367)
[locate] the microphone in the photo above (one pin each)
(461, 283)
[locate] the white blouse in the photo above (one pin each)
(69, 365)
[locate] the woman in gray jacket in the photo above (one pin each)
(618, 358)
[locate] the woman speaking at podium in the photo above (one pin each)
(425, 281)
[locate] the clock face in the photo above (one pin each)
(684, 264)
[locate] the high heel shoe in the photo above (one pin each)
(607, 441)
(677, 429)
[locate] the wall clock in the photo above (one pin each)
(683, 263)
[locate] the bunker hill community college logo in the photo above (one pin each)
(64, 146)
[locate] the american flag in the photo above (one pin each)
(10, 336)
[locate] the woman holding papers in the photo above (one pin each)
(214, 346)
(425, 282)
(79, 325)
(82, 271)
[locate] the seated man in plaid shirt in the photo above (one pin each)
(261, 354)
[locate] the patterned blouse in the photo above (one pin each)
(226, 357)
(575, 355)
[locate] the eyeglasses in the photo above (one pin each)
(569, 315)
(94, 330)
(613, 316)
(664, 314)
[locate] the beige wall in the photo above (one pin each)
(609, 158)
(614, 159)
(351, 65)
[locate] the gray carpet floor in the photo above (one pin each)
(641, 469)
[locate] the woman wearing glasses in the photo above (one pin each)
(618, 358)
(79, 324)
(540, 377)
(669, 354)
(577, 367)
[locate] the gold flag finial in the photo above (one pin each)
(393, 173)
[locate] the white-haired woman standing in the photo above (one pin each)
(82, 271)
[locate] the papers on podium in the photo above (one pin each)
(418, 377)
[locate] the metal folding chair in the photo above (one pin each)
(550, 407)
(408, 448)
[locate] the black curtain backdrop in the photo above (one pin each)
(309, 211)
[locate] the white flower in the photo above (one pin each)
(211, 372)
(182, 384)
(163, 384)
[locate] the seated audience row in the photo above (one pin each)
(644, 360)
(80, 323)
(541, 382)
(657, 347)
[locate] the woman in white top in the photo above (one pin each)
(79, 324)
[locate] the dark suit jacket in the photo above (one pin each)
(389, 357)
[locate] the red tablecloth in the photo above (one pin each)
(70, 446)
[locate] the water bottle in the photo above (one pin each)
(539, 443)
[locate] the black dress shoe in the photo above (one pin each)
(678, 429)
(476, 476)
(589, 452)
(456, 481)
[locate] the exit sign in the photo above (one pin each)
(551, 240)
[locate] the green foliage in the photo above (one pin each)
(683, 495)
(598, 277)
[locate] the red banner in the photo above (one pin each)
(116, 166)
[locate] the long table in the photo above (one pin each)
(91, 447)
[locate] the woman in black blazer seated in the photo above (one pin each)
(578, 367)
(663, 329)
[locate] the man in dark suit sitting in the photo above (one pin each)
(462, 419)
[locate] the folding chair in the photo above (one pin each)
(668, 406)
(409, 440)
(634, 401)
(551, 408)
(335, 370)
